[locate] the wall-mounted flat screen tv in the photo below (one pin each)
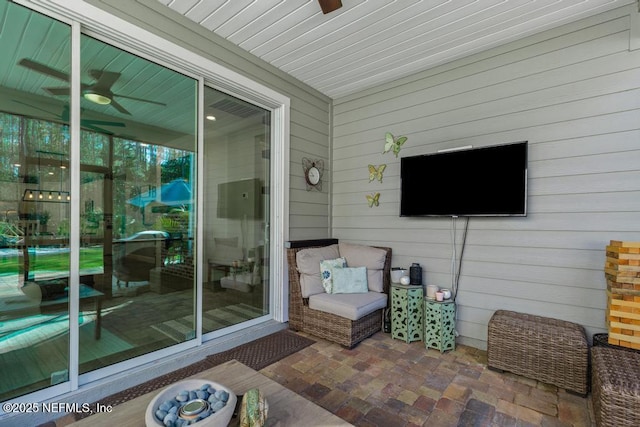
(486, 181)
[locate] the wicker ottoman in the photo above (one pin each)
(615, 384)
(549, 350)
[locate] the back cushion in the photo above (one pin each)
(226, 251)
(308, 261)
(366, 256)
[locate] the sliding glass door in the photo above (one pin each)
(138, 151)
(34, 205)
(138, 169)
(237, 209)
(134, 168)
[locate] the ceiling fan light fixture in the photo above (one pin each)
(98, 98)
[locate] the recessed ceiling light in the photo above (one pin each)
(212, 118)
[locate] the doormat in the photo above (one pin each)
(264, 351)
(255, 354)
(182, 329)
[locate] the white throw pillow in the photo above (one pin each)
(326, 272)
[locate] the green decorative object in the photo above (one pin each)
(376, 172)
(406, 312)
(394, 144)
(373, 199)
(439, 325)
(254, 409)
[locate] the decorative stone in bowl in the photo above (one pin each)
(207, 403)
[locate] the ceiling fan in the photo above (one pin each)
(85, 123)
(98, 92)
(329, 6)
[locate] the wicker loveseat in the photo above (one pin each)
(327, 325)
(615, 386)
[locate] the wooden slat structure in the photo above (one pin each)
(622, 271)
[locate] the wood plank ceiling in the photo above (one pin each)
(370, 42)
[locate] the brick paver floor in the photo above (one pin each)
(388, 383)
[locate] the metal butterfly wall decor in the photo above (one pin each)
(376, 172)
(373, 199)
(393, 144)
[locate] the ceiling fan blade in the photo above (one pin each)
(90, 122)
(329, 6)
(58, 90)
(44, 69)
(36, 108)
(103, 123)
(105, 79)
(115, 104)
(140, 99)
(97, 129)
(87, 123)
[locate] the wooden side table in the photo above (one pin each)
(406, 312)
(439, 325)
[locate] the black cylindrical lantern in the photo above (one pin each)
(386, 325)
(415, 274)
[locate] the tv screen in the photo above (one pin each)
(487, 181)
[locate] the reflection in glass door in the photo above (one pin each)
(137, 188)
(236, 211)
(137, 214)
(34, 206)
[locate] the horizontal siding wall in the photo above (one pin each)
(310, 110)
(574, 93)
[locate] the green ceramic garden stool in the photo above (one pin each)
(406, 312)
(439, 325)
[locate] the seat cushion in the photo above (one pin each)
(366, 256)
(350, 306)
(308, 263)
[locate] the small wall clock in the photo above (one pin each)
(313, 170)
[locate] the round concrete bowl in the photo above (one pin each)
(220, 418)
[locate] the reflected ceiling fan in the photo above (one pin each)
(85, 123)
(98, 92)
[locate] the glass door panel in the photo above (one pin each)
(236, 205)
(34, 205)
(138, 169)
